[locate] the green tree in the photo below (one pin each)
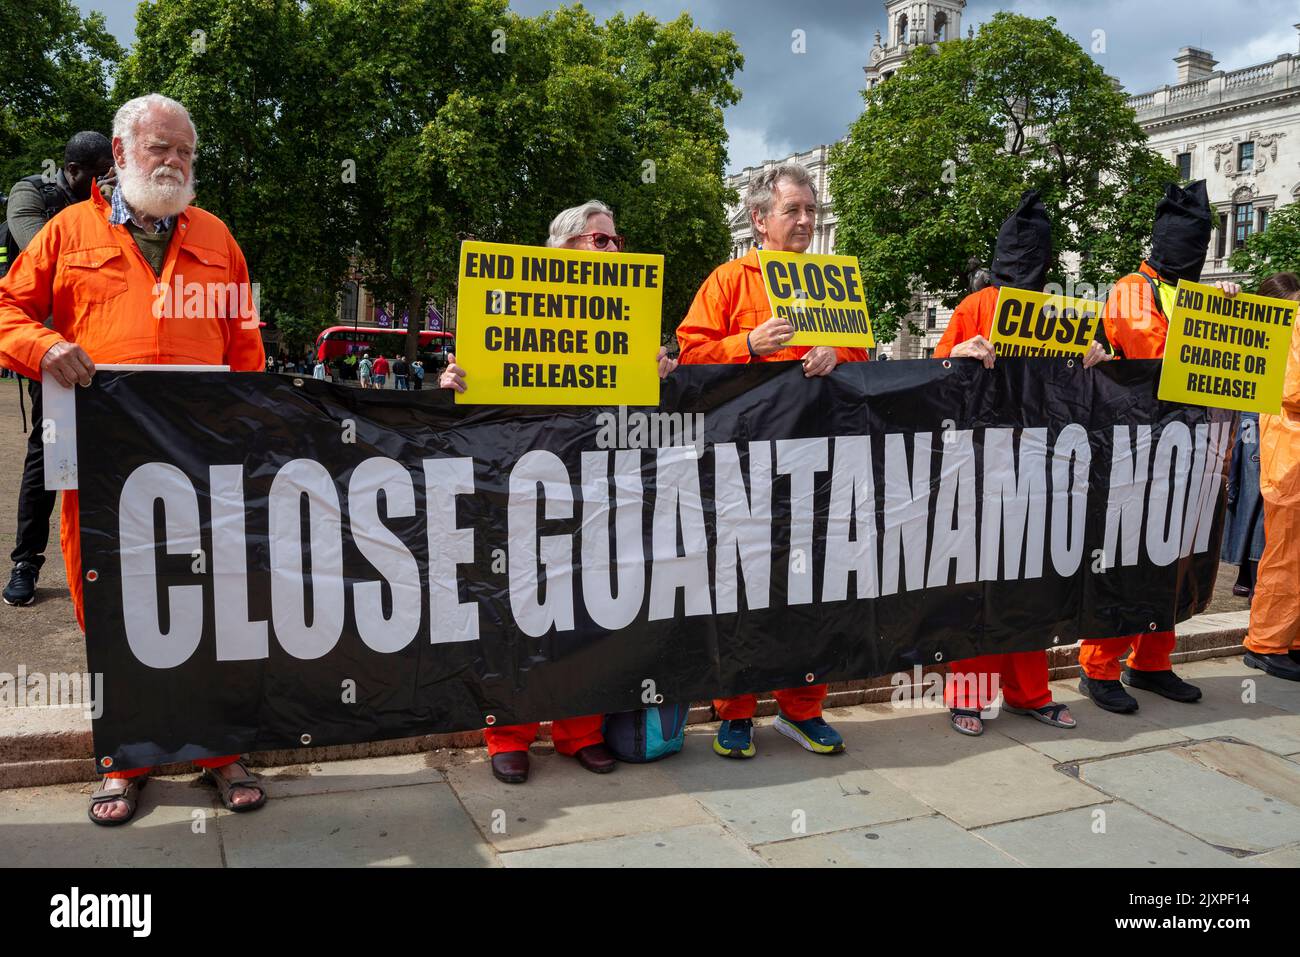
(945, 147)
(257, 77)
(1276, 249)
(55, 82)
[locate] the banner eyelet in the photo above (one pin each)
(305, 739)
(659, 699)
(490, 720)
(298, 383)
(947, 364)
(92, 575)
(809, 677)
(938, 656)
(1152, 626)
(1056, 639)
(106, 762)
(1069, 363)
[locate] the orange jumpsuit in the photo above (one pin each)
(102, 294)
(1136, 327)
(731, 303)
(1022, 675)
(1275, 609)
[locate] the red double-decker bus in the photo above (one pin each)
(347, 340)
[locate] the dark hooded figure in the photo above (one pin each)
(1020, 261)
(1136, 317)
(1181, 236)
(1024, 247)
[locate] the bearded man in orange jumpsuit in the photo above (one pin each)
(1273, 639)
(731, 321)
(1136, 318)
(97, 270)
(1020, 261)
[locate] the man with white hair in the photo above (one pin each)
(731, 321)
(106, 274)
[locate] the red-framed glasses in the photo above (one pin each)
(602, 240)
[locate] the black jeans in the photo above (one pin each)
(35, 504)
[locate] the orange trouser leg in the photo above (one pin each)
(1099, 657)
(571, 735)
(220, 762)
(1275, 609)
(70, 543)
(1021, 676)
(512, 737)
(972, 683)
(1024, 679)
(1151, 651)
(797, 704)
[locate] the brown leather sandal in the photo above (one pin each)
(129, 795)
(225, 785)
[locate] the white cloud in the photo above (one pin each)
(750, 146)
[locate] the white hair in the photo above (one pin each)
(573, 221)
(127, 119)
(759, 195)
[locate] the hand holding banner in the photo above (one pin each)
(1029, 323)
(821, 296)
(1227, 352)
(541, 326)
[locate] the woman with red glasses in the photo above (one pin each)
(590, 227)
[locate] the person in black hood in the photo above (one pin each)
(1181, 236)
(1021, 258)
(1136, 317)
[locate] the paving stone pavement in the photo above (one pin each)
(1213, 784)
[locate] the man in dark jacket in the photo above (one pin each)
(87, 157)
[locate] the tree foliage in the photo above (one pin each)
(1276, 249)
(55, 82)
(946, 146)
(376, 134)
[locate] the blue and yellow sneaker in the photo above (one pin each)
(735, 739)
(814, 734)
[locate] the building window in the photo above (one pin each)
(1184, 166)
(1263, 220)
(348, 307)
(940, 27)
(1245, 157)
(1243, 224)
(902, 29)
(929, 353)
(930, 320)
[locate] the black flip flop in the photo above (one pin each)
(130, 796)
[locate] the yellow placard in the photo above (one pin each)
(1226, 352)
(1029, 323)
(541, 326)
(821, 296)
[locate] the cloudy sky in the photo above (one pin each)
(794, 102)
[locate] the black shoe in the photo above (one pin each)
(1108, 695)
(1164, 683)
(21, 589)
(1279, 666)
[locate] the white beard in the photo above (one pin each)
(161, 195)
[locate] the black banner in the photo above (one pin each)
(268, 557)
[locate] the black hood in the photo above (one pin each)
(1181, 236)
(1024, 248)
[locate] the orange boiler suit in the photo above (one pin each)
(1275, 609)
(1022, 675)
(1136, 326)
(93, 281)
(731, 303)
